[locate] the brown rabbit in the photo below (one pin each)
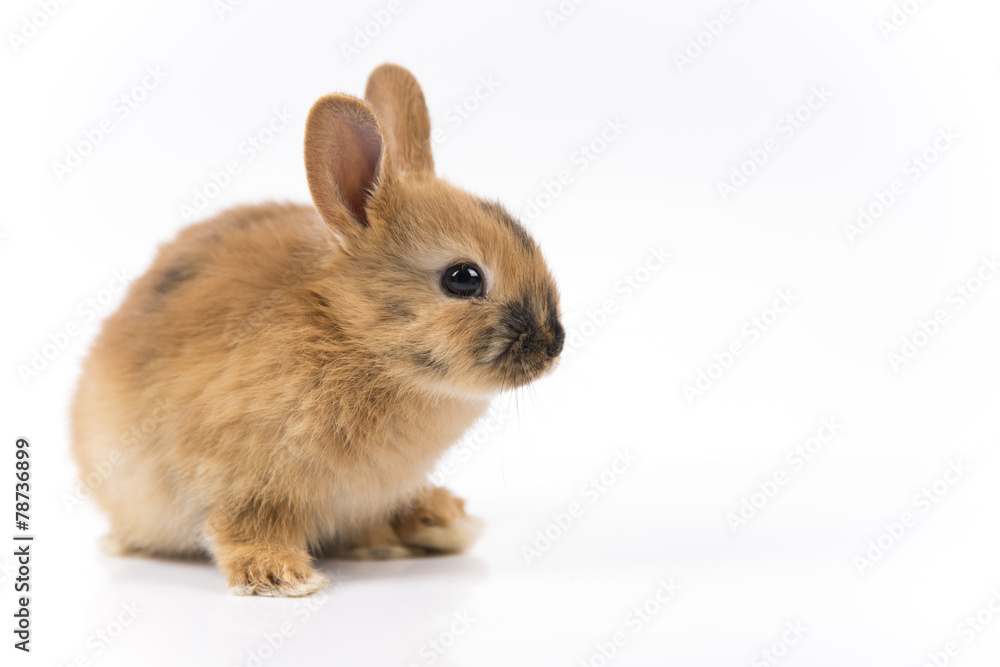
(297, 371)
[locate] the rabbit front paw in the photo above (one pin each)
(270, 571)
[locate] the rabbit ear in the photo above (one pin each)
(399, 104)
(345, 160)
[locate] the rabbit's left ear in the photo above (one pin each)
(399, 104)
(344, 149)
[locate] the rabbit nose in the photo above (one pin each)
(558, 338)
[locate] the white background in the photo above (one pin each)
(620, 385)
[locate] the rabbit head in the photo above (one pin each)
(447, 287)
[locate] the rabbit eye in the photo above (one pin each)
(427, 521)
(463, 280)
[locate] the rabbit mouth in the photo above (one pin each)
(528, 356)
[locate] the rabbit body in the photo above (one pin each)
(284, 377)
(262, 393)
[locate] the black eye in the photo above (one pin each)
(464, 280)
(427, 521)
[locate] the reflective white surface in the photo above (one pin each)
(789, 581)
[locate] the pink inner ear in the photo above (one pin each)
(343, 153)
(356, 167)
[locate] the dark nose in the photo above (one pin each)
(558, 338)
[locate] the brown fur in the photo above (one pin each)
(433, 521)
(302, 368)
